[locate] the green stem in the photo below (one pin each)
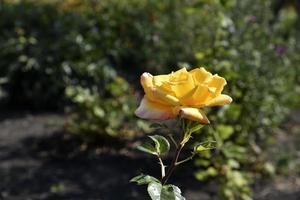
(185, 160)
(162, 167)
(173, 165)
(184, 138)
(173, 140)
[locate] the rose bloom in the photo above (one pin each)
(181, 93)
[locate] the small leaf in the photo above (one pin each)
(196, 128)
(144, 179)
(166, 192)
(162, 145)
(148, 148)
(171, 192)
(154, 190)
(204, 146)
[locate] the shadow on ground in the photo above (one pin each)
(40, 162)
(54, 167)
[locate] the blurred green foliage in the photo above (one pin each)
(102, 111)
(127, 28)
(41, 53)
(259, 62)
(53, 52)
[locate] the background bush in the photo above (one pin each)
(102, 111)
(33, 42)
(53, 52)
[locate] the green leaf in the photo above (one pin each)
(162, 145)
(204, 146)
(195, 128)
(154, 190)
(148, 148)
(166, 192)
(144, 179)
(171, 192)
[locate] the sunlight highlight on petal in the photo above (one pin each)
(153, 111)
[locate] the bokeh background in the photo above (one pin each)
(69, 84)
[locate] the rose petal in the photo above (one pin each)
(179, 75)
(147, 84)
(160, 79)
(200, 75)
(194, 114)
(165, 98)
(147, 80)
(155, 95)
(196, 97)
(153, 111)
(220, 100)
(218, 83)
(181, 82)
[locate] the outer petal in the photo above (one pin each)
(194, 114)
(200, 75)
(157, 94)
(147, 83)
(165, 97)
(220, 100)
(153, 111)
(147, 80)
(179, 75)
(160, 79)
(218, 83)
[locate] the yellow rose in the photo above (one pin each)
(181, 93)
